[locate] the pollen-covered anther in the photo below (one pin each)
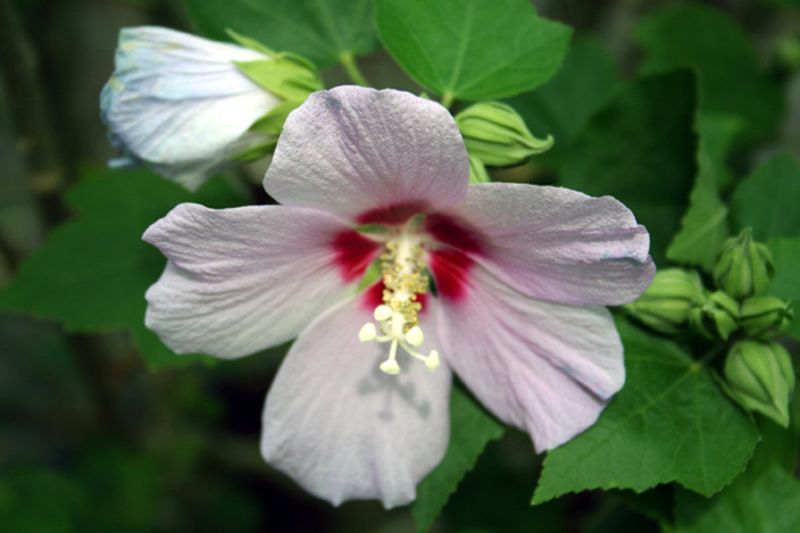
(404, 279)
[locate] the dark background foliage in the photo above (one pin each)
(91, 439)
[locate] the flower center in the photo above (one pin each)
(404, 279)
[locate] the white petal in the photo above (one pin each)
(546, 368)
(241, 280)
(369, 154)
(343, 429)
(556, 244)
(178, 103)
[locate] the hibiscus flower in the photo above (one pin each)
(502, 284)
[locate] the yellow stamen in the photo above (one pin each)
(404, 279)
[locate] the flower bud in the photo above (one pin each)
(761, 315)
(497, 135)
(760, 377)
(744, 267)
(665, 305)
(717, 317)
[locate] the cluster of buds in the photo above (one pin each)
(742, 273)
(758, 371)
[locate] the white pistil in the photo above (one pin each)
(404, 279)
(393, 328)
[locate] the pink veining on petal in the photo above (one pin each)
(453, 232)
(353, 253)
(450, 270)
(392, 215)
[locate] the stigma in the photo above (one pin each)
(404, 280)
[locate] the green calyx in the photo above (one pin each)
(665, 305)
(717, 317)
(495, 134)
(744, 267)
(289, 77)
(284, 74)
(764, 315)
(760, 377)
(477, 171)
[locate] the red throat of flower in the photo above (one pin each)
(408, 251)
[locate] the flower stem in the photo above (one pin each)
(447, 99)
(349, 63)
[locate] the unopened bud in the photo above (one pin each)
(717, 317)
(665, 305)
(761, 315)
(744, 267)
(497, 135)
(760, 377)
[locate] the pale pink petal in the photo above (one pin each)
(241, 280)
(548, 369)
(369, 155)
(552, 243)
(344, 430)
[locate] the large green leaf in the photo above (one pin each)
(670, 422)
(93, 271)
(764, 499)
(321, 30)
(471, 429)
(472, 49)
(766, 201)
(641, 149)
(771, 504)
(730, 78)
(562, 107)
(705, 225)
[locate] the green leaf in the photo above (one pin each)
(321, 30)
(705, 225)
(93, 271)
(563, 106)
(786, 283)
(472, 49)
(766, 201)
(762, 490)
(730, 78)
(641, 150)
(35, 499)
(471, 429)
(771, 504)
(669, 423)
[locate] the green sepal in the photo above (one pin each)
(286, 75)
(760, 377)
(371, 276)
(477, 171)
(665, 305)
(717, 317)
(496, 134)
(269, 129)
(764, 315)
(250, 43)
(744, 267)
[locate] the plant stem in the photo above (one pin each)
(713, 353)
(350, 66)
(447, 99)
